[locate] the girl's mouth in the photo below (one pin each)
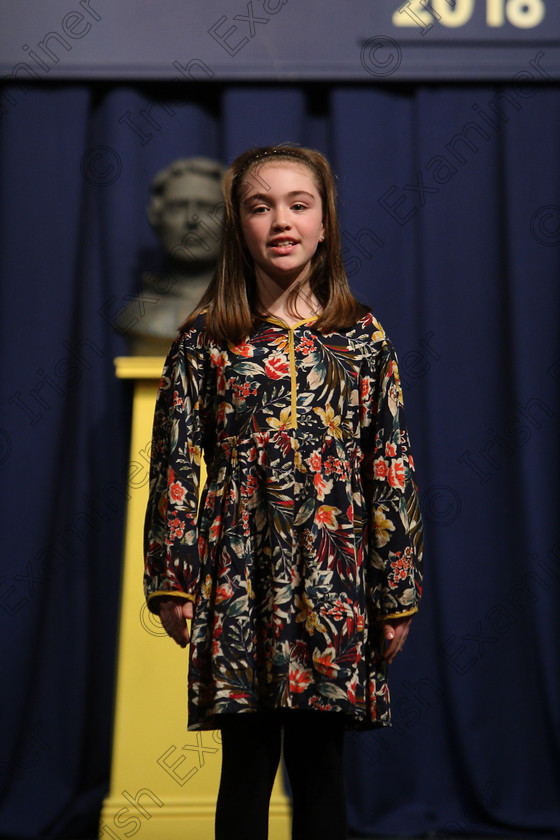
(283, 245)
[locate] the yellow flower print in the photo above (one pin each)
(379, 333)
(281, 423)
(306, 613)
(331, 422)
(194, 452)
(326, 515)
(382, 526)
(206, 588)
(395, 393)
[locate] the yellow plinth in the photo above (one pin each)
(164, 780)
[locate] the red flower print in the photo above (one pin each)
(223, 409)
(337, 611)
(277, 366)
(306, 345)
(299, 679)
(176, 528)
(324, 663)
(251, 485)
(390, 450)
(315, 461)
(176, 491)
(244, 350)
(396, 474)
(321, 486)
(242, 390)
(216, 527)
(400, 568)
(380, 468)
(316, 703)
(284, 441)
(224, 592)
(326, 515)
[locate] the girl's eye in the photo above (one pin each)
(299, 206)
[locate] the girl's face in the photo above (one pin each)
(282, 220)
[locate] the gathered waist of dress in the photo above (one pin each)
(282, 447)
(283, 437)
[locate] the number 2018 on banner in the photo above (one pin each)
(524, 14)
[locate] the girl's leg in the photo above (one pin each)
(314, 758)
(250, 757)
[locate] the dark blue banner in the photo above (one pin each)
(281, 40)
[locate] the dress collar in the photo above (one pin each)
(272, 319)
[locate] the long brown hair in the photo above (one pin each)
(231, 299)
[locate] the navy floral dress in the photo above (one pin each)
(309, 528)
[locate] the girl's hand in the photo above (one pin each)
(395, 631)
(173, 614)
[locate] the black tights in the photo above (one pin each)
(313, 755)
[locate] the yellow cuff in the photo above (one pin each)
(403, 614)
(170, 593)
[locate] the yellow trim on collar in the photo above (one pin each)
(274, 320)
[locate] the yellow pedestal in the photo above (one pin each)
(164, 780)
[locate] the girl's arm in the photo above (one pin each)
(396, 532)
(170, 535)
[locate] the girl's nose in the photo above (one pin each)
(280, 221)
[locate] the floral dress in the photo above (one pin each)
(308, 530)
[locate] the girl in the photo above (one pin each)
(302, 568)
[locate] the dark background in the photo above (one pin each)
(456, 246)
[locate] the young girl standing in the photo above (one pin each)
(302, 568)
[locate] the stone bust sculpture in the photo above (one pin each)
(185, 211)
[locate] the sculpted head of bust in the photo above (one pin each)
(185, 210)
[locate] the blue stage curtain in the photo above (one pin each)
(450, 212)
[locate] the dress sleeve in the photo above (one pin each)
(172, 563)
(394, 518)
